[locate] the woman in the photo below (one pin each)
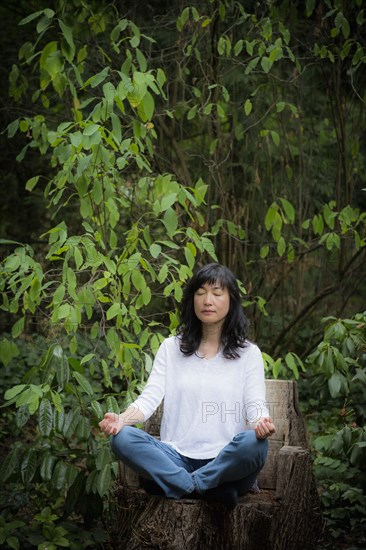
(215, 423)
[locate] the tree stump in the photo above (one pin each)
(284, 515)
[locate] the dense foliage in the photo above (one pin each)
(149, 142)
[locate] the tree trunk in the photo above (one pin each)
(284, 515)
(286, 519)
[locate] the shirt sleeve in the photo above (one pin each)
(254, 387)
(154, 391)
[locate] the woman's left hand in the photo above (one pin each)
(264, 428)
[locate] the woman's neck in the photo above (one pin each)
(211, 339)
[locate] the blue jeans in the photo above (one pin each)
(238, 462)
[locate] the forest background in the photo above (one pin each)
(139, 142)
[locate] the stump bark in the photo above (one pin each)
(284, 515)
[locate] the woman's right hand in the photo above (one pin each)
(111, 424)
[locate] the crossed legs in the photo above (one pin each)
(238, 463)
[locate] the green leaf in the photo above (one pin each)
(67, 34)
(59, 295)
(87, 358)
(46, 468)
(112, 405)
(248, 106)
(59, 475)
(10, 463)
(334, 384)
(155, 250)
(83, 383)
(281, 246)
(170, 221)
(97, 409)
(114, 310)
(167, 201)
(31, 183)
(266, 64)
(18, 327)
(29, 465)
(13, 392)
(146, 107)
(36, 14)
(289, 210)
(45, 417)
(104, 480)
(138, 280)
(192, 112)
(8, 350)
(270, 216)
(264, 251)
(90, 129)
(275, 138)
(106, 375)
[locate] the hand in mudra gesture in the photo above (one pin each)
(264, 428)
(111, 423)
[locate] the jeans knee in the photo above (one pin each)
(252, 446)
(121, 442)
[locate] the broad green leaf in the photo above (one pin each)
(112, 405)
(289, 209)
(59, 475)
(22, 416)
(104, 480)
(83, 383)
(106, 375)
(71, 420)
(270, 216)
(109, 91)
(45, 417)
(29, 465)
(30, 17)
(275, 137)
(252, 65)
(114, 310)
(146, 107)
(167, 201)
(155, 250)
(248, 106)
(46, 468)
(103, 458)
(192, 112)
(87, 358)
(61, 313)
(334, 384)
(91, 482)
(8, 350)
(59, 295)
(18, 327)
(98, 78)
(291, 363)
(170, 221)
(10, 463)
(138, 280)
(264, 251)
(31, 183)
(189, 257)
(281, 246)
(97, 409)
(90, 129)
(266, 64)
(69, 50)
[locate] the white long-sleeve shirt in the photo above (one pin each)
(206, 401)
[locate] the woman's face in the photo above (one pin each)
(211, 303)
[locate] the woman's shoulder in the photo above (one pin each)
(171, 342)
(250, 348)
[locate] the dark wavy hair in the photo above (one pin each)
(235, 327)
